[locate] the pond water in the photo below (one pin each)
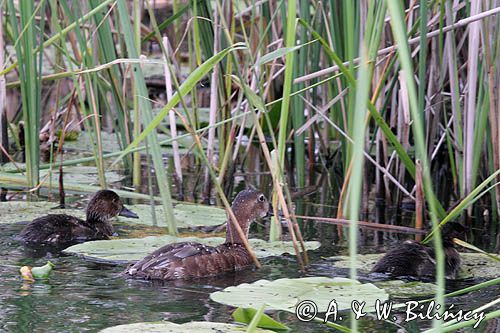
(82, 296)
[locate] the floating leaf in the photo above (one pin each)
(36, 273)
(26, 273)
(110, 142)
(364, 262)
(192, 327)
(134, 249)
(473, 264)
(286, 294)
(479, 266)
(245, 316)
(407, 290)
(17, 211)
(187, 215)
(87, 175)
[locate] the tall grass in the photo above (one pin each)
(340, 88)
(29, 68)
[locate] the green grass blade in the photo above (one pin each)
(398, 26)
(468, 200)
(146, 112)
(167, 22)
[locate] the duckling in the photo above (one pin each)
(64, 230)
(188, 260)
(414, 259)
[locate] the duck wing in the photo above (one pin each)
(452, 263)
(55, 229)
(189, 260)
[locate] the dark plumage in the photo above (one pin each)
(193, 260)
(64, 230)
(412, 258)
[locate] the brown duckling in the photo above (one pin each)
(193, 260)
(64, 230)
(414, 259)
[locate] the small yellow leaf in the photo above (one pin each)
(26, 273)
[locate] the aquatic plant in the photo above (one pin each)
(367, 97)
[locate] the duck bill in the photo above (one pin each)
(128, 213)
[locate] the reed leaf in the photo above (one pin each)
(146, 113)
(184, 89)
(399, 31)
(468, 200)
(29, 76)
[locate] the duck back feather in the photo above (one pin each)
(189, 260)
(58, 229)
(414, 259)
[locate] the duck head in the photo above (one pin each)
(106, 204)
(248, 205)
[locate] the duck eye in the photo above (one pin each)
(262, 198)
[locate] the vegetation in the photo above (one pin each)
(399, 100)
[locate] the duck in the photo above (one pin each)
(417, 260)
(191, 260)
(64, 230)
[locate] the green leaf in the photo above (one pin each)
(167, 22)
(86, 175)
(192, 327)
(146, 116)
(279, 53)
(110, 142)
(285, 294)
(42, 272)
(468, 200)
(245, 316)
(133, 249)
(475, 248)
(186, 215)
(407, 290)
(17, 211)
(253, 98)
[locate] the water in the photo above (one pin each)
(82, 296)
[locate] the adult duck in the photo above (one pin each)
(414, 259)
(63, 230)
(188, 260)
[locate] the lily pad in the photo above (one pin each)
(479, 265)
(193, 327)
(87, 175)
(473, 264)
(186, 215)
(110, 142)
(364, 262)
(133, 249)
(17, 211)
(407, 290)
(286, 294)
